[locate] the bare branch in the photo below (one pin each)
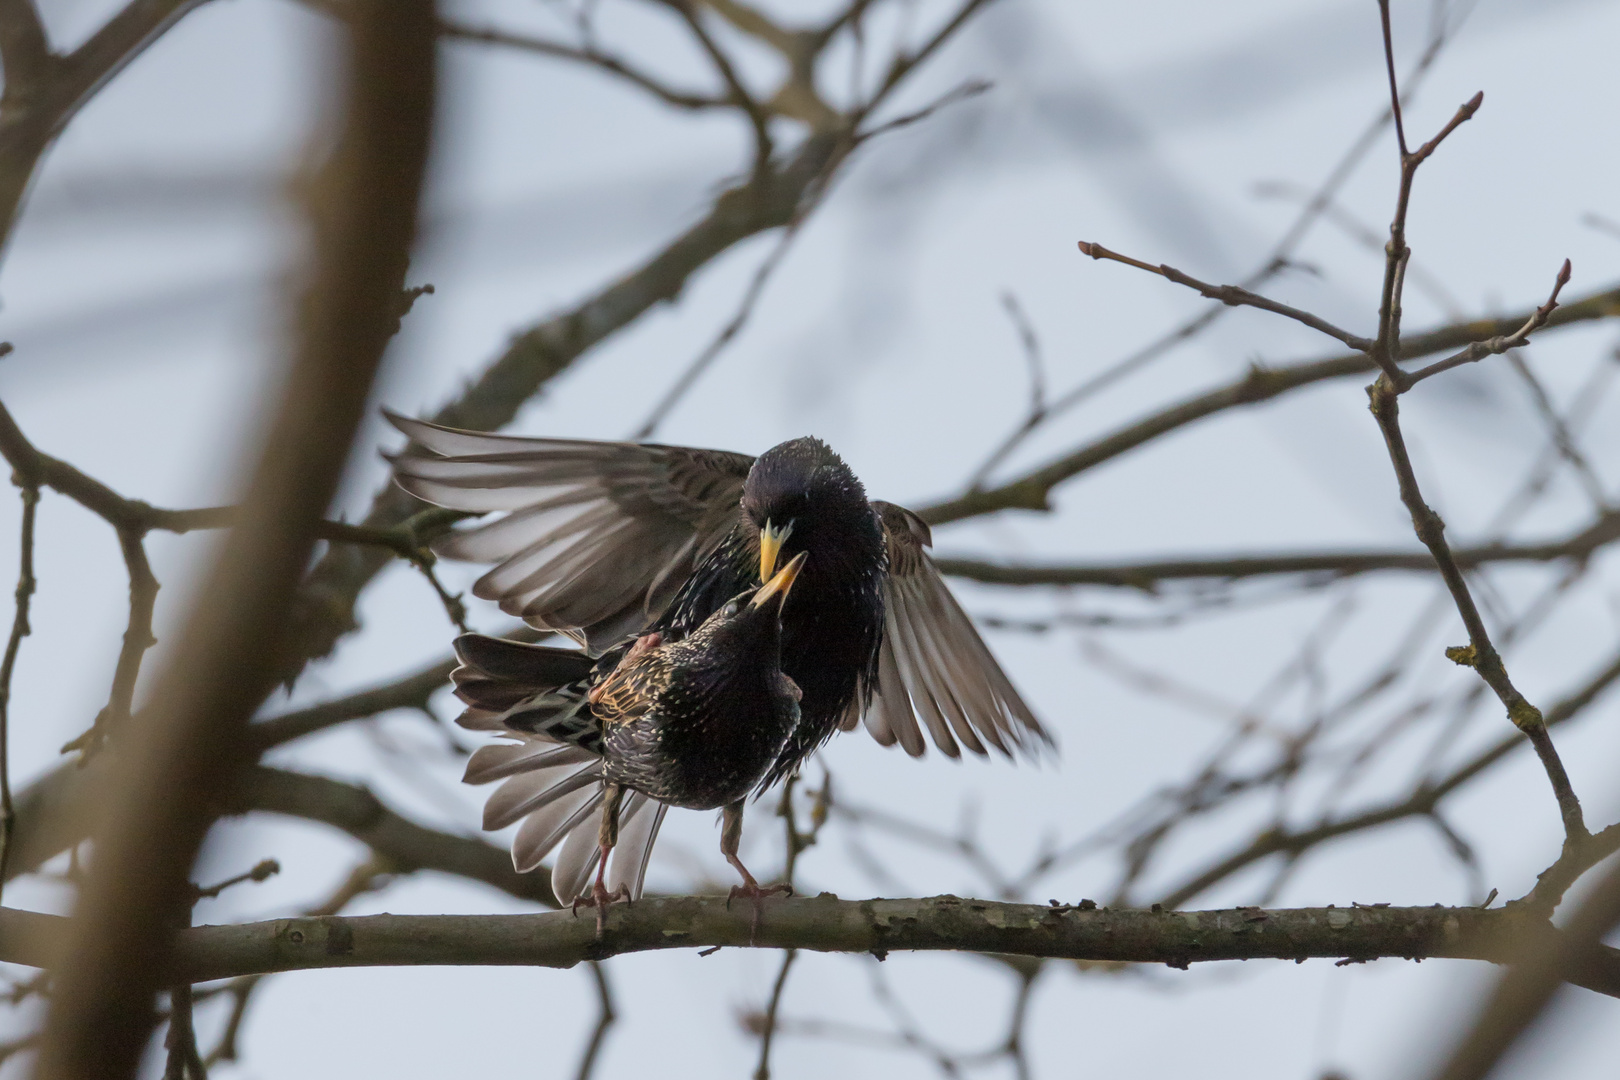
(828, 924)
(1232, 295)
(1032, 490)
(48, 92)
(408, 846)
(582, 54)
(19, 629)
(126, 515)
(605, 1016)
(1502, 343)
(1578, 547)
(24, 51)
(138, 637)
(762, 1071)
(410, 692)
(1384, 394)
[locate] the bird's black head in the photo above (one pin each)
(802, 497)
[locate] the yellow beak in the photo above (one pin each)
(782, 582)
(771, 540)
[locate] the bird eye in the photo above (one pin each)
(731, 609)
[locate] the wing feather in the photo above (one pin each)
(934, 670)
(597, 536)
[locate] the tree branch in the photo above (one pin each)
(407, 845)
(410, 692)
(1032, 490)
(765, 201)
(20, 629)
(1422, 801)
(828, 924)
(1577, 547)
(582, 54)
(1232, 296)
(44, 92)
(1502, 343)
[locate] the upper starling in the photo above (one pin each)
(693, 722)
(604, 541)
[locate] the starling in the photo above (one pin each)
(608, 542)
(692, 723)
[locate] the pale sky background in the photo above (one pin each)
(141, 293)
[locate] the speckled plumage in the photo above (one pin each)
(696, 722)
(608, 542)
(831, 631)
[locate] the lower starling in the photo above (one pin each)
(694, 723)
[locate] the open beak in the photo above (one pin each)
(781, 583)
(770, 548)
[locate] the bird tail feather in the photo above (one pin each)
(553, 793)
(525, 689)
(550, 777)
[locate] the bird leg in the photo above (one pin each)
(607, 836)
(730, 839)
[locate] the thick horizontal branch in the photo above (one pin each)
(1033, 490)
(1579, 546)
(828, 924)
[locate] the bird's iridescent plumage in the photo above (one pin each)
(608, 541)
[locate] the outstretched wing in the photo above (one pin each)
(597, 536)
(933, 669)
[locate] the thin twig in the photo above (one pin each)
(1480, 654)
(138, 638)
(1278, 259)
(263, 870)
(762, 1071)
(1502, 343)
(1147, 576)
(184, 1063)
(604, 1020)
(758, 115)
(965, 92)
(1233, 296)
(1031, 343)
(582, 54)
(745, 310)
(20, 629)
